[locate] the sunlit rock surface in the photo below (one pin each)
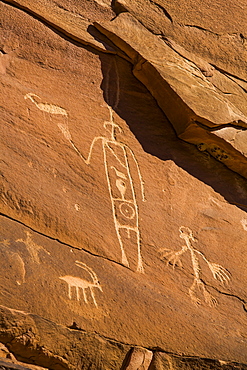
(124, 191)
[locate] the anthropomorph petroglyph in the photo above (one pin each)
(32, 247)
(121, 187)
(219, 272)
(82, 284)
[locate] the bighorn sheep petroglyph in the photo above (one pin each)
(83, 284)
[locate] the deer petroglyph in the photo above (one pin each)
(82, 284)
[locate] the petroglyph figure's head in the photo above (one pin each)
(32, 97)
(112, 128)
(186, 233)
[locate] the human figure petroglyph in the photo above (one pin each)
(121, 188)
(82, 284)
(219, 273)
(32, 247)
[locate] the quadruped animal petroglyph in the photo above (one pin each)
(83, 284)
(121, 187)
(219, 272)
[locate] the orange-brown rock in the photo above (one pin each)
(121, 245)
(191, 103)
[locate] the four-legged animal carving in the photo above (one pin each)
(219, 272)
(79, 283)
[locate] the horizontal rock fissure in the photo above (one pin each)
(241, 300)
(65, 244)
(201, 29)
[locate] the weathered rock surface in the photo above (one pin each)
(191, 103)
(122, 246)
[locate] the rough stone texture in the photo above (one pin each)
(131, 253)
(215, 31)
(191, 102)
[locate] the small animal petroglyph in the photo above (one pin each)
(219, 273)
(79, 283)
(32, 247)
(45, 107)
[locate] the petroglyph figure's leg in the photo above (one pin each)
(84, 295)
(140, 267)
(77, 293)
(93, 296)
(124, 259)
(139, 173)
(209, 299)
(69, 287)
(192, 293)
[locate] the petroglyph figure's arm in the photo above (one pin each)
(218, 271)
(139, 173)
(87, 161)
(172, 256)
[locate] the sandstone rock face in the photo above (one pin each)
(124, 191)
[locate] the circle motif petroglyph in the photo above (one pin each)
(127, 210)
